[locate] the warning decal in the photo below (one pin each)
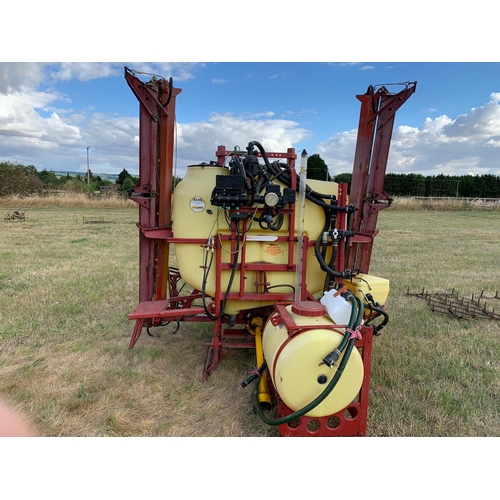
(273, 249)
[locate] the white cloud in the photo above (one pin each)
(178, 71)
(466, 144)
(17, 75)
(338, 151)
(367, 67)
(266, 114)
(302, 112)
(198, 141)
(85, 71)
(43, 128)
(36, 129)
(219, 80)
(23, 127)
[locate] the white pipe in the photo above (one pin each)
(300, 228)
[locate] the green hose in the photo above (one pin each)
(331, 358)
(354, 322)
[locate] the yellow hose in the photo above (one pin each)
(256, 330)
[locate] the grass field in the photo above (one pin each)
(66, 289)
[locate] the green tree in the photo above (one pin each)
(18, 179)
(49, 178)
(317, 168)
(175, 181)
(344, 179)
(127, 184)
(122, 176)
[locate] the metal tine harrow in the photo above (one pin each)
(459, 307)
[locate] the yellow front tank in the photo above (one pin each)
(195, 217)
(364, 284)
(296, 368)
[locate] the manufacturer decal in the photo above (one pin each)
(197, 204)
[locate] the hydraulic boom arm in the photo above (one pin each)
(376, 122)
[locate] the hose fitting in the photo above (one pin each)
(332, 358)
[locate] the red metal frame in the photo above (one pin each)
(153, 192)
(376, 122)
(351, 421)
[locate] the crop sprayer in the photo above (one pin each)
(279, 263)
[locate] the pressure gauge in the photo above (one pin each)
(271, 199)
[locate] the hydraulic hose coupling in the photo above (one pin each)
(370, 298)
(336, 234)
(332, 358)
(346, 293)
(347, 274)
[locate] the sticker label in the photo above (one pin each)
(273, 250)
(197, 204)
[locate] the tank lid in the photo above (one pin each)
(308, 308)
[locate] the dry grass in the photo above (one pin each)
(66, 289)
(76, 200)
(410, 204)
(435, 375)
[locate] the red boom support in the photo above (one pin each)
(376, 122)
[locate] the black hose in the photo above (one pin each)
(382, 312)
(328, 277)
(206, 271)
(278, 169)
(229, 285)
(311, 195)
(347, 274)
(170, 86)
(262, 152)
(242, 171)
(256, 374)
(275, 226)
(350, 217)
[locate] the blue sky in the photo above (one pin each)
(50, 112)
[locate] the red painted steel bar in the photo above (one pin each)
(376, 122)
(153, 192)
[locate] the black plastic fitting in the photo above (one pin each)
(331, 358)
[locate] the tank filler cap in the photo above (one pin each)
(308, 308)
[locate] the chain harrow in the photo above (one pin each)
(459, 307)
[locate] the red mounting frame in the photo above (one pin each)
(351, 421)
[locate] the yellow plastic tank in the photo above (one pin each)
(195, 217)
(363, 284)
(296, 368)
